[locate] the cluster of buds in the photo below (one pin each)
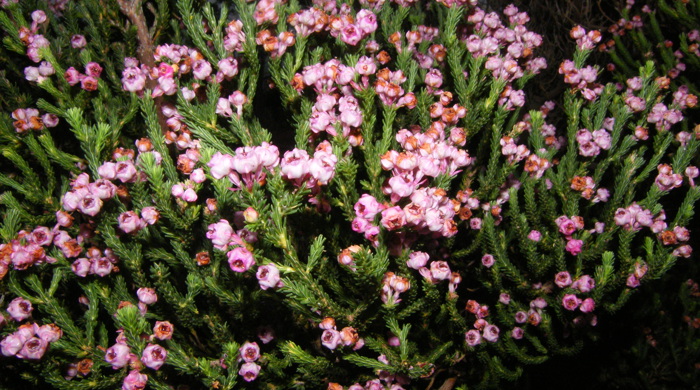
(268, 276)
(482, 329)
(96, 262)
(39, 73)
(509, 50)
(89, 80)
(26, 249)
(233, 41)
(677, 235)
(445, 114)
(265, 11)
(297, 167)
(585, 40)
(130, 222)
(634, 278)
(153, 356)
(346, 256)
(388, 88)
(666, 180)
(30, 341)
(172, 63)
(590, 143)
(222, 235)
(34, 42)
(392, 286)
(26, 119)
(324, 116)
(247, 166)
(331, 338)
(249, 353)
(567, 226)
(586, 186)
(634, 217)
(275, 45)
(583, 79)
(663, 117)
(308, 21)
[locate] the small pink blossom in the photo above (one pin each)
(330, 338)
(118, 355)
(249, 352)
(488, 260)
(570, 302)
(20, 309)
(249, 371)
(147, 295)
(268, 276)
(135, 381)
(154, 356)
(574, 246)
(473, 337)
(240, 259)
(33, 349)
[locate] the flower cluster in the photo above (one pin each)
(508, 50)
(249, 353)
(29, 119)
(30, 341)
(346, 337)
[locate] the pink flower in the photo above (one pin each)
(322, 167)
(240, 259)
(266, 334)
(78, 41)
(89, 205)
(588, 305)
(367, 207)
(393, 218)
(574, 246)
(566, 225)
(118, 355)
(249, 352)
(126, 171)
(570, 302)
(517, 333)
(150, 215)
(417, 260)
(93, 69)
(133, 80)
(130, 222)
(101, 267)
(473, 337)
(562, 279)
(81, 267)
(135, 381)
(220, 234)
(154, 356)
(295, 164)
(632, 281)
(33, 349)
(20, 309)
(534, 235)
(491, 333)
(201, 69)
(48, 332)
(351, 35)
(440, 270)
(330, 338)
(249, 371)
(11, 344)
(268, 276)
(584, 284)
(487, 260)
(147, 295)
